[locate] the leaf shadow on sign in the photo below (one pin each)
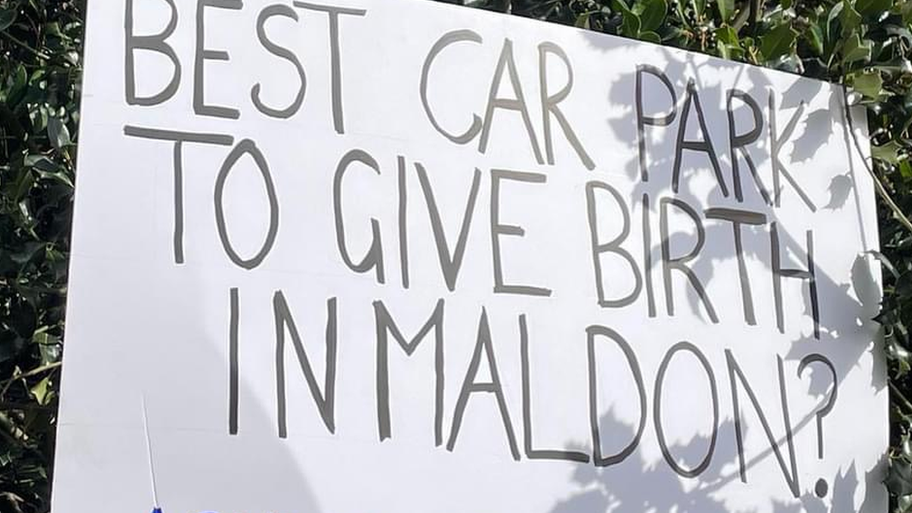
(865, 287)
(858, 302)
(231, 467)
(654, 487)
(648, 487)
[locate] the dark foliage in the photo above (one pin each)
(865, 44)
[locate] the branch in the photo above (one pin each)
(14, 406)
(33, 372)
(898, 393)
(878, 185)
(755, 6)
(25, 46)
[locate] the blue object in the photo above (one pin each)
(157, 510)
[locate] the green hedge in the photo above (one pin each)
(40, 42)
(866, 44)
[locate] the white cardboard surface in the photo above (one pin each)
(156, 299)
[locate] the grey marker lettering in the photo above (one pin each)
(374, 257)
(335, 51)
(549, 104)
(791, 476)
(613, 246)
(469, 386)
(680, 263)
(498, 229)
(536, 454)
(831, 401)
(643, 120)
(448, 39)
(705, 145)
(777, 141)
(506, 63)
(601, 331)
(647, 257)
(204, 54)
(739, 218)
(152, 43)
(403, 223)
(738, 143)
(809, 275)
(450, 264)
(247, 147)
(657, 404)
(174, 135)
(178, 138)
(233, 363)
(325, 399)
(279, 51)
(387, 326)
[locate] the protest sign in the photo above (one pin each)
(398, 256)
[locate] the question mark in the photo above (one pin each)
(821, 487)
(819, 358)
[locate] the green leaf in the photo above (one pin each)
(27, 252)
(727, 35)
(57, 176)
(652, 37)
(729, 44)
(873, 7)
(905, 169)
(901, 32)
(49, 347)
(835, 12)
(726, 8)
(885, 262)
(869, 84)
(850, 19)
(8, 15)
(904, 284)
(22, 185)
(888, 152)
(814, 36)
(582, 21)
(58, 133)
(854, 50)
(42, 392)
(899, 478)
(904, 504)
(777, 42)
(40, 162)
(652, 14)
(630, 25)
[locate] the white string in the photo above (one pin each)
(149, 452)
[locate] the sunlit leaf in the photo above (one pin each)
(58, 133)
(869, 84)
(652, 14)
(777, 42)
(856, 50)
(899, 478)
(888, 152)
(630, 26)
(652, 37)
(42, 391)
(726, 8)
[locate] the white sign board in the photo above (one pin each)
(398, 256)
